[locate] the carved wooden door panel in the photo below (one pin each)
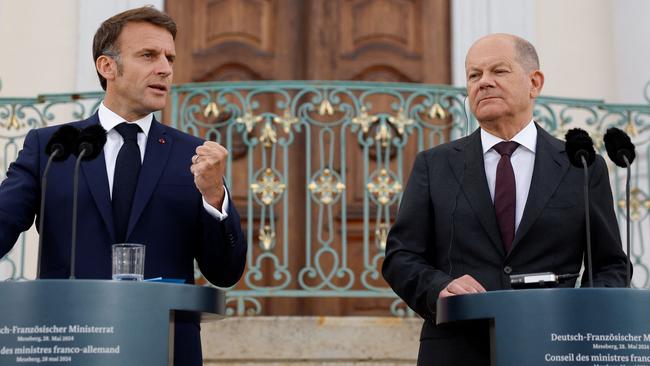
(371, 40)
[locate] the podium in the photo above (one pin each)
(95, 322)
(567, 326)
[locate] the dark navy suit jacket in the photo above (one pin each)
(167, 216)
(447, 227)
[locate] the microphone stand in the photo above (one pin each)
(628, 277)
(587, 218)
(75, 196)
(41, 214)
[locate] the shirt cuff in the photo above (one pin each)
(219, 215)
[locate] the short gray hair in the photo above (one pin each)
(526, 54)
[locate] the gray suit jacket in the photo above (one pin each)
(446, 226)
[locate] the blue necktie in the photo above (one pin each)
(125, 180)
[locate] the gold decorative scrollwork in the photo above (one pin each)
(325, 108)
(268, 187)
(266, 238)
(437, 112)
(328, 186)
(286, 121)
(211, 109)
(383, 187)
(629, 127)
(13, 123)
(383, 134)
(249, 120)
(364, 119)
(381, 236)
(639, 201)
(401, 121)
(269, 136)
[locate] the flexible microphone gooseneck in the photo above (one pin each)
(581, 154)
(58, 148)
(620, 150)
(89, 144)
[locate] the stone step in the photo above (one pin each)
(311, 341)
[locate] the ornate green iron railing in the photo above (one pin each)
(317, 169)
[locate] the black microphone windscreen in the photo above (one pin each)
(619, 145)
(91, 139)
(578, 144)
(64, 140)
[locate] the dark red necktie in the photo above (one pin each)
(505, 193)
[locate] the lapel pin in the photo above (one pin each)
(162, 141)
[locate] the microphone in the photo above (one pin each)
(62, 143)
(88, 146)
(539, 280)
(580, 146)
(620, 150)
(580, 150)
(90, 142)
(58, 148)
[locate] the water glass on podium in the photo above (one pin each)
(128, 262)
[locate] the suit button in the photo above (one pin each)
(507, 269)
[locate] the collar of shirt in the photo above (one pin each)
(523, 163)
(114, 141)
(109, 119)
(527, 138)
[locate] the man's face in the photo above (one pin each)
(498, 87)
(142, 74)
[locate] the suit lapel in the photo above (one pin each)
(94, 173)
(550, 168)
(467, 163)
(159, 146)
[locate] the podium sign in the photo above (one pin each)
(544, 327)
(92, 322)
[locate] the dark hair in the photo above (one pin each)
(526, 54)
(105, 41)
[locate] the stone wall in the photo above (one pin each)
(311, 341)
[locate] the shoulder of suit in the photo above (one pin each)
(552, 140)
(49, 130)
(559, 145)
(446, 148)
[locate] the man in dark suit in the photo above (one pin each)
(503, 200)
(176, 204)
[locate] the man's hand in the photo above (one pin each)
(208, 166)
(461, 285)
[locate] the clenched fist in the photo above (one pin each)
(208, 166)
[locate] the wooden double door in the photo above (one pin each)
(371, 40)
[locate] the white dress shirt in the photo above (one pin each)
(522, 160)
(114, 141)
